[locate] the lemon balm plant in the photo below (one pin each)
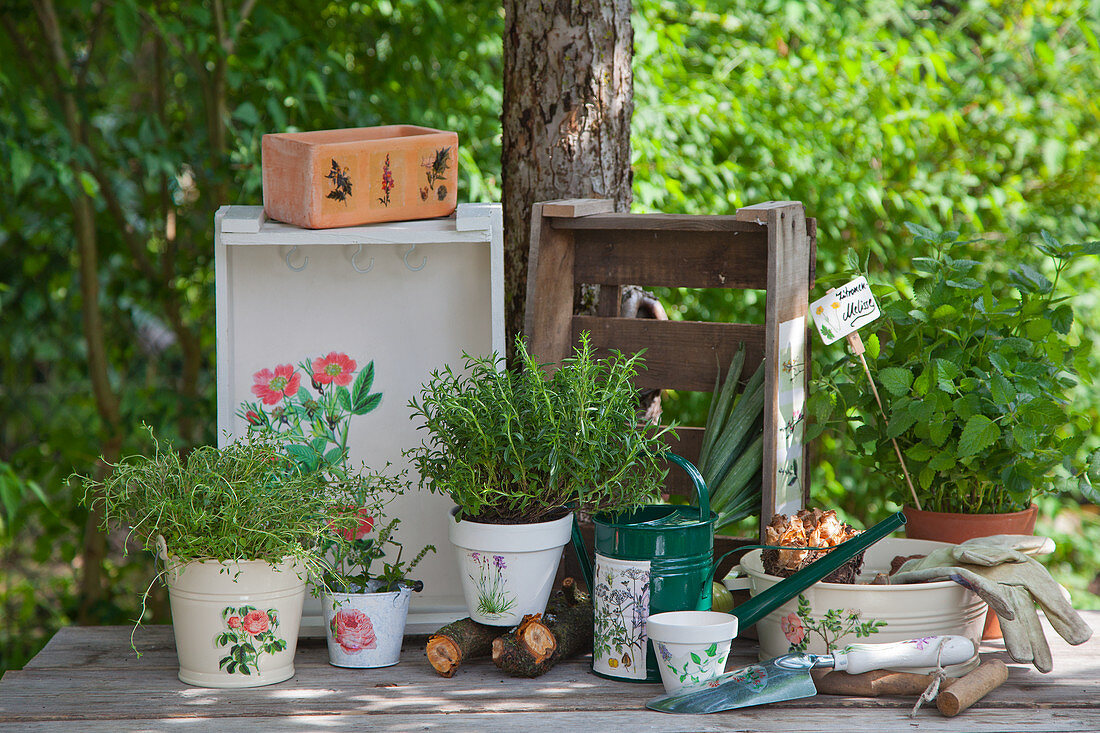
(517, 451)
(977, 369)
(225, 524)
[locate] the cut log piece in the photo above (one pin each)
(567, 623)
(458, 641)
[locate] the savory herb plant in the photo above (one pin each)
(976, 370)
(519, 445)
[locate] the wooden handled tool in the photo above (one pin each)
(875, 683)
(965, 691)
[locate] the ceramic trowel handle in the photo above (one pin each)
(931, 651)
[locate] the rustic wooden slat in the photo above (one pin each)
(758, 213)
(782, 718)
(610, 304)
(570, 208)
(681, 355)
(61, 694)
(551, 288)
(671, 222)
(667, 258)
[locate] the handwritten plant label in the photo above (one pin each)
(844, 310)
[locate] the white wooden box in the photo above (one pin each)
(410, 296)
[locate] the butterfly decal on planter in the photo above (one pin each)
(249, 634)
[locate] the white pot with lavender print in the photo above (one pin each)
(508, 570)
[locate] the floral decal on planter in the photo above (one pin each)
(341, 183)
(387, 182)
(435, 167)
(754, 677)
(696, 667)
(621, 609)
(493, 598)
(316, 421)
(831, 628)
(249, 634)
(272, 386)
(353, 630)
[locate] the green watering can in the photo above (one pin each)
(660, 558)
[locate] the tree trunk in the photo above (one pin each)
(568, 99)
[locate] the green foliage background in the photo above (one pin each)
(980, 115)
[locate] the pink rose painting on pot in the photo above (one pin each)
(353, 630)
(250, 634)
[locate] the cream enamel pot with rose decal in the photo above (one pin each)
(235, 623)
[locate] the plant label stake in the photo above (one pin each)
(840, 314)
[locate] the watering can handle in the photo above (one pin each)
(704, 514)
(700, 485)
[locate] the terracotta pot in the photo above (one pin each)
(956, 528)
(336, 178)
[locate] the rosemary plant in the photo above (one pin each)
(518, 446)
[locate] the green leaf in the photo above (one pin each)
(696, 658)
(899, 423)
(939, 429)
(1043, 412)
(1037, 328)
(978, 434)
(873, 346)
(1026, 437)
(343, 398)
(896, 380)
(1001, 389)
(942, 461)
(372, 401)
(127, 24)
(1062, 319)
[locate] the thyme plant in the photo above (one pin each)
(519, 446)
(246, 501)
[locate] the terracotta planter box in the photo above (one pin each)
(336, 178)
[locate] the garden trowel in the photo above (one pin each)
(788, 677)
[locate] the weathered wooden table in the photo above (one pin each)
(87, 679)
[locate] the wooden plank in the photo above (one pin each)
(759, 213)
(549, 290)
(681, 355)
(672, 222)
(412, 696)
(570, 208)
(787, 298)
(667, 258)
(243, 219)
(781, 718)
(610, 304)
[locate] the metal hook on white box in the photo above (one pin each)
(305, 261)
(355, 264)
(419, 267)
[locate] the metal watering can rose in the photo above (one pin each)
(659, 558)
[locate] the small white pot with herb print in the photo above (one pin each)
(691, 646)
(508, 570)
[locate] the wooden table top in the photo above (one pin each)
(87, 679)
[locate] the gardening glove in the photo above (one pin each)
(1011, 583)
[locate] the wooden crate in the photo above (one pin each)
(769, 246)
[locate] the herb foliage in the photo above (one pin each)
(975, 367)
(520, 445)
